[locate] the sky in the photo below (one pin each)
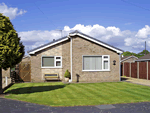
(124, 24)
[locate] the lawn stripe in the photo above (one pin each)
(109, 89)
(130, 92)
(146, 88)
(103, 94)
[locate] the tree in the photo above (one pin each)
(127, 53)
(143, 52)
(11, 49)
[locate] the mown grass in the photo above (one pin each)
(60, 94)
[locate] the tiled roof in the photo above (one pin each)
(76, 31)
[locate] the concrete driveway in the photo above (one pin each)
(136, 81)
(13, 106)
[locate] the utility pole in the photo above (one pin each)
(145, 47)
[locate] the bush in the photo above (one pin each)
(67, 74)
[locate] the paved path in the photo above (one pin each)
(137, 81)
(12, 106)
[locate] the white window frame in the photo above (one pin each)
(54, 62)
(103, 59)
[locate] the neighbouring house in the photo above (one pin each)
(130, 59)
(144, 58)
(127, 59)
(84, 56)
(6, 79)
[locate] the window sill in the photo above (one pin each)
(95, 70)
(50, 67)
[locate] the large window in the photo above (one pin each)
(52, 61)
(96, 63)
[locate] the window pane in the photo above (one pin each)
(105, 56)
(57, 57)
(57, 63)
(98, 60)
(105, 64)
(86, 63)
(48, 61)
(92, 63)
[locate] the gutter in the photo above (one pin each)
(119, 66)
(142, 60)
(70, 56)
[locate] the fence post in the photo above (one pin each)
(147, 70)
(130, 69)
(6, 80)
(138, 70)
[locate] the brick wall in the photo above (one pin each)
(84, 47)
(62, 49)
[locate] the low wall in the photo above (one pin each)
(4, 81)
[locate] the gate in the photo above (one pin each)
(134, 70)
(126, 69)
(142, 70)
(25, 71)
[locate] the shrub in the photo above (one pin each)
(67, 74)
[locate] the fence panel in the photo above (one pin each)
(24, 71)
(142, 70)
(126, 69)
(134, 70)
(148, 70)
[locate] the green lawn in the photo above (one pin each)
(59, 94)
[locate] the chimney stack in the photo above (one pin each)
(53, 40)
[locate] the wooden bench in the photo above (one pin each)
(51, 76)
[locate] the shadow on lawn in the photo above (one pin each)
(27, 90)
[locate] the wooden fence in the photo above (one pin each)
(25, 71)
(139, 70)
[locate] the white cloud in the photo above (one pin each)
(11, 12)
(144, 32)
(128, 23)
(126, 40)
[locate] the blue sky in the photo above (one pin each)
(115, 22)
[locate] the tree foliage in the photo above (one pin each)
(127, 53)
(11, 49)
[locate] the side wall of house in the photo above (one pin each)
(6, 73)
(130, 60)
(81, 47)
(62, 49)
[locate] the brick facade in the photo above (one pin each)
(80, 47)
(62, 49)
(6, 72)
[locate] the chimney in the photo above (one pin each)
(53, 40)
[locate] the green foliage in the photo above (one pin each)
(11, 49)
(127, 53)
(143, 52)
(67, 74)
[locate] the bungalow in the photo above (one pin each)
(131, 58)
(84, 56)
